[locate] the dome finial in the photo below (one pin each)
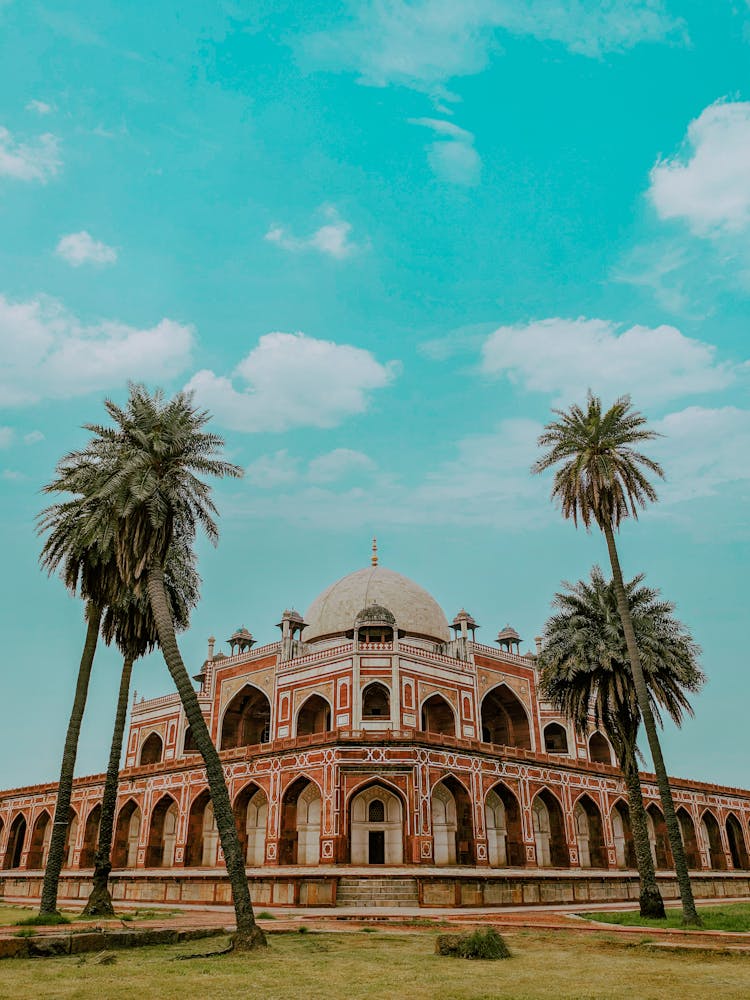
(374, 559)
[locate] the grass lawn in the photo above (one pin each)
(730, 917)
(12, 914)
(384, 966)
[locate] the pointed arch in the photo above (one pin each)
(712, 841)
(689, 840)
(505, 720)
(152, 749)
(188, 743)
(251, 816)
(549, 831)
(452, 823)
(202, 842)
(247, 719)
(71, 837)
(736, 841)
(502, 814)
(127, 835)
(438, 716)
(587, 819)
(600, 751)
(376, 825)
(16, 840)
(301, 810)
(376, 701)
(658, 837)
(90, 837)
(622, 832)
(41, 832)
(555, 738)
(162, 834)
(313, 716)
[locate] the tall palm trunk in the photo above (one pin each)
(650, 899)
(248, 935)
(100, 901)
(689, 912)
(56, 854)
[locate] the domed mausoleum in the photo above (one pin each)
(375, 753)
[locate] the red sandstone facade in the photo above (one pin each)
(368, 736)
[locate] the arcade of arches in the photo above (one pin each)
(504, 719)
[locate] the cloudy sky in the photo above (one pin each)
(380, 241)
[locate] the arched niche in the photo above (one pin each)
(452, 823)
(504, 719)
(247, 719)
(438, 716)
(376, 827)
(16, 840)
(301, 809)
(90, 838)
(622, 832)
(41, 832)
(126, 836)
(202, 844)
(162, 834)
(599, 749)
(712, 840)
(251, 817)
(689, 840)
(71, 836)
(503, 823)
(152, 750)
(376, 702)
(589, 834)
(555, 738)
(549, 831)
(188, 742)
(314, 716)
(658, 837)
(736, 841)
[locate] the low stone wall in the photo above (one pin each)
(434, 889)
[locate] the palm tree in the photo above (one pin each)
(601, 477)
(584, 668)
(142, 480)
(130, 624)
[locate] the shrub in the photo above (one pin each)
(46, 920)
(481, 944)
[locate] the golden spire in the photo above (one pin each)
(374, 559)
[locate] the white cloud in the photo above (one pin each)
(283, 469)
(40, 107)
(7, 435)
(452, 156)
(338, 464)
(291, 380)
(567, 357)
(82, 248)
(270, 471)
(33, 437)
(46, 353)
(703, 451)
(332, 238)
(12, 475)
(708, 184)
(36, 161)
(424, 43)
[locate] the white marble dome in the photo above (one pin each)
(415, 611)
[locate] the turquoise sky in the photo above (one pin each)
(381, 240)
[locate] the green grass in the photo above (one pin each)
(49, 920)
(730, 917)
(346, 966)
(10, 915)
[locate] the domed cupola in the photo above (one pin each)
(374, 624)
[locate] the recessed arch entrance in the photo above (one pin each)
(549, 831)
(41, 832)
(126, 836)
(689, 840)
(736, 841)
(71, 836)
(314, 716)
(622, 832)
(438, 716)
(592, 852)
(162, 834)
(301, 809)
(90, 838)
(503, 823)
(376, 827)
(452, 825)
(16, 839)
(712, 841)
(152, 750)
(202, 844)
(600, 751)
(251, 817)
(658, 837)
(555, 738)
(247, 719)
(376, 702)
(504, 719)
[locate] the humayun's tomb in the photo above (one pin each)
(376, 753)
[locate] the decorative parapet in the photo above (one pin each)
(502, 654)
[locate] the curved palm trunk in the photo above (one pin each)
(100, 901)
(689, 912)
(248, 935)
(650, 899)
(56, 854)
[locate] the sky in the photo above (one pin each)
(380, 241)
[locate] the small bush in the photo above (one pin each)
(265, 915)
(302, 930)
(44, 920)
(479, 944)
(25, 932)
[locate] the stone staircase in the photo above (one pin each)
(368, 891)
